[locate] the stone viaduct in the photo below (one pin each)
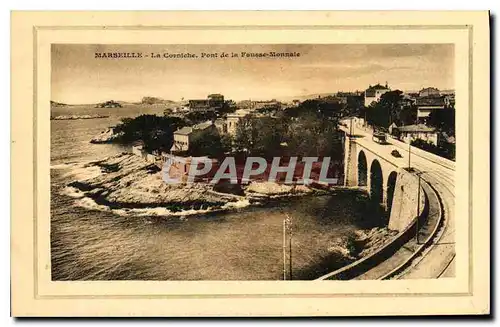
(385, 179)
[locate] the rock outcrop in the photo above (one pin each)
(106, 136)
(72, 117)
(128, 181)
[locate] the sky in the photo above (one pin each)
(78, 77)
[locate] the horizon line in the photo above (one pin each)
(138, 101)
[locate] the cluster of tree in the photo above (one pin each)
(446, 150)
(331, 110)
(313, 135)
(229, 106)
(261, 136)
(304, 135)
(157, 132)
(390, 109)
(210, 143)
(309, 131)
(196, 117)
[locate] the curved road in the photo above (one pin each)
(438, 259)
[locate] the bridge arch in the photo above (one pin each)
(362, 169)
(376, 182)
(391, 186)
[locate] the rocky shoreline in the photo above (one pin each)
(126, 181)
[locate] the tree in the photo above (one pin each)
(260, 136)
(407, 116)
(390, 109)
(228, 107)
(206, 143)
(227, 141)
(197, 117)
(155, 131)
(444, 120)
(446, 150)
(325, 108)
(392, 102)
(309, 135)
(246, 134)
(377, 115)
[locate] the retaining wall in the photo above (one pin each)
(404, 202)
(364, 264)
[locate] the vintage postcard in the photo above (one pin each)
(250, 164)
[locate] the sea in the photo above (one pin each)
(88, 243)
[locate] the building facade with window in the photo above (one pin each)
(373, 93)
(185, 135)
(422, 132)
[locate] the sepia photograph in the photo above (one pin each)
(252, 162)
(249, 164)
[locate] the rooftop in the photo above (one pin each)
(203, 125)
(378, 87)
(416, 128)
(189, 129)
(239, 113)
(429, 89)
(430, 101)
(184, 131)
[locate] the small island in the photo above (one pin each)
(109, 104)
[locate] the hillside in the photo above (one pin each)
(57, 104)
(155, 100)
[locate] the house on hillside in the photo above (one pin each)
(216, 101)
(185, 135)
(199, 105)
(429, 92)
(426, 105)
(233, 119)
(221, 126)
(373, 93)
(211, 103)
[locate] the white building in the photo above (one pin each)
(233, 119)
(373, 93)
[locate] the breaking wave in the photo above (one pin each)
(90, 204)
(72, 192)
